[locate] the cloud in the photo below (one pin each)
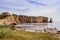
(36, 2)
(41, 12)
(15, 9)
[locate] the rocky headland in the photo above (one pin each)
(16, 19)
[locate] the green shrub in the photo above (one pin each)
(5, 33)
(4, 26)
(3, 16)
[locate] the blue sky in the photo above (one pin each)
(49, 8)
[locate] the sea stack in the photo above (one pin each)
(51, 20)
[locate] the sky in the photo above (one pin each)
(48, 8)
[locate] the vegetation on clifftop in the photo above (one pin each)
(4, 15)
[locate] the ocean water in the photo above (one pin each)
(39, 26)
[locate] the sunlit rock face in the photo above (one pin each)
(32, 19)
(23, 19)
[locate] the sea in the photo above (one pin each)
(40, 26)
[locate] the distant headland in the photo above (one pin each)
(7, 19)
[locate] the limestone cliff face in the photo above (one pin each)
(23, 19)
(7, 20)
(32, 19)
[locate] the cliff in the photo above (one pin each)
(15, 19)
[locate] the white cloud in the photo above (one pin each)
(42, 11)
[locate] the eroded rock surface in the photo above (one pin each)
(23, 19)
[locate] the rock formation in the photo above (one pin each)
(51, 20)
(15, 19)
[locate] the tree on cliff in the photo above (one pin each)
(4, 15)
